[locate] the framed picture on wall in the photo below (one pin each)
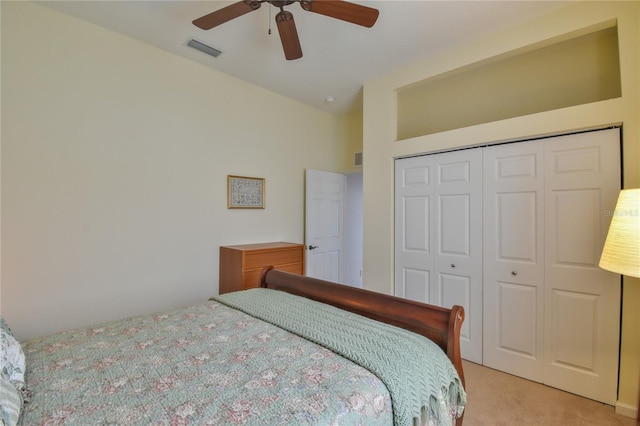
(245, 192)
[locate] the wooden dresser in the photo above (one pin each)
(240, 265)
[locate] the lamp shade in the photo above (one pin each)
(621, 253)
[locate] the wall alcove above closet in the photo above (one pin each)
(575, 69)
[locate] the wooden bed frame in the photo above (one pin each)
(438, 324)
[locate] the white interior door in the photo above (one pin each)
(582, 301)
(324, 201)
(514, 258)
(439, 237)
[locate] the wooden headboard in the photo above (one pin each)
(438, 324)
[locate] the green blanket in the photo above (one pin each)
(423, 384)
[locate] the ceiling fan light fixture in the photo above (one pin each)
(205, 48)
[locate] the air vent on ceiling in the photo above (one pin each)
(357, 159)
(198, 45)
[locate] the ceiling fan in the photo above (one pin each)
(346, 11)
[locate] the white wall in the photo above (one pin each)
(381, 146)
(114, 163)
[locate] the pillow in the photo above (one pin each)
(12, 360)
(10, 403)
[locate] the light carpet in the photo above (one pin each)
(496, 398)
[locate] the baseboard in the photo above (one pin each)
(627, 410)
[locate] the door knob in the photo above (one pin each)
(453, 265)
(312, 247)
(514, 273)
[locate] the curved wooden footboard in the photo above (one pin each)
(438, 324)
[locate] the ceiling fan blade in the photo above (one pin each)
(225, 14)
(288, 35)
(344, 10)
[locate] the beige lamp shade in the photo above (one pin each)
(621, 253)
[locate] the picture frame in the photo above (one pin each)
(245, 192)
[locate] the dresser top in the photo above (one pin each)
(261, 246)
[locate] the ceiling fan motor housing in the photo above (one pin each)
(280, 3)
(253, 4)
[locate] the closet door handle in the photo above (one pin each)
(514, 273)
(453, 265)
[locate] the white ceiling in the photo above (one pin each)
(338, 57)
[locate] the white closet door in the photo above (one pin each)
(514, 258)
(537, 305)
(582, 301)
(413, 228)
(439, 237)
(458, 242)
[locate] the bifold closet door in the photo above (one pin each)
(438, 242)
(514, 258)
(514, 234)
(414, 253)
(551, 314)
(582, 301)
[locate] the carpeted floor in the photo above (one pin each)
(500, 399)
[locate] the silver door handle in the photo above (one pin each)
(312, 247)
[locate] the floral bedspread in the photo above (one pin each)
(206, 364)
(423, 384)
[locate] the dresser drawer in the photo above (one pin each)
(260, 259)
(241, 265)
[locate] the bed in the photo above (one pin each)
(296, 350)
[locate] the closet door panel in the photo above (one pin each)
(517, 301)
(458, 242)
(438, 236)
(575, 343)
(416, 284)
(414, 228)
(582, 325)
(456, 290)
(415, 211)
(516, 227)
(513, 259)
(454, 223)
